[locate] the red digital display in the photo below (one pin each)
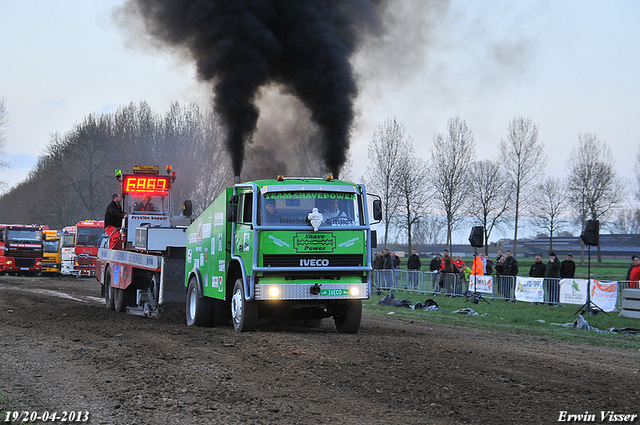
(141, 184)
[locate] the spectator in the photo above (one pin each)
(568, 267)
(378, 264)
(413, 269)
(435, 263)
(498, 256)
(500, 265)
(477, 269)
(113, 221)
(434, 268)
(387, 271)
(538, 268)
(633, 257)
(459, 263)
(552, 278)
(634, 272)
(448, 271)
(445, 255)
(484, 262)
(510, 272)
(396, 266)
(510, 265)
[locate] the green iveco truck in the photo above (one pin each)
(296, 248)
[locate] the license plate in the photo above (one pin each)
(334, 292)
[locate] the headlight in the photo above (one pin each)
(274, 292)
(354, 291)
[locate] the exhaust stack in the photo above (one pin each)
(237, 179)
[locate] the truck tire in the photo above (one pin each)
(244, 314)
(347, 316)
(199, 311)
(121, 299)
(108, 291)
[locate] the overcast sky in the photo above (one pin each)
(572, 67)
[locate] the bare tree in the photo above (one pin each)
(408, 188)
(386, 148)
(490, 196)
(524, 160)
(627, 221)
(548, 206)
(83, 160)
(451, 158)
(593, 186)
(430, 230)
(4, 118)
(637, 172)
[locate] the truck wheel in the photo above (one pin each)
(120, 299)
(108, 291)
(348, 315)
(199, 310)
(244, 314)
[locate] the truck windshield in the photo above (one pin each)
(146, 203)
(68, 239)
(24, 235)
(51, 246)
(88, 236)
(292, 208)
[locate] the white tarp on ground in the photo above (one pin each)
(529, 289)
(481, 284)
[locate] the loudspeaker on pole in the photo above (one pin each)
(476, 238)
(591, 233)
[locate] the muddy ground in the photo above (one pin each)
(62, 350)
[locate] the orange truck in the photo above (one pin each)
(51, 260)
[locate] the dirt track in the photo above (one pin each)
(70, 353)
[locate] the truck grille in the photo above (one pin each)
(332, 260)
(25, 262)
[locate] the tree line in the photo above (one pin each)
(74, 178)
(426, 200)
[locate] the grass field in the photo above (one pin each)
(521, 317)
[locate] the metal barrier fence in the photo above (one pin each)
(454, 285)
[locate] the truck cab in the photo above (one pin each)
(87, 241)
(290, 247)
(21, 249)
(51, 261)
(67, 248)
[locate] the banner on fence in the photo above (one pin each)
(482, 283)
(604, 295)
(573, 291)
(529, 289)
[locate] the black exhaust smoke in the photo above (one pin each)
(242, 45)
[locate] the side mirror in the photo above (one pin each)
(377, 210)
(187, 208)
(232, 209)
(374, 239)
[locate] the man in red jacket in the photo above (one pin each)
(634, 272)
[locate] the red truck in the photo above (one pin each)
(21, 249)
(88, 233)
